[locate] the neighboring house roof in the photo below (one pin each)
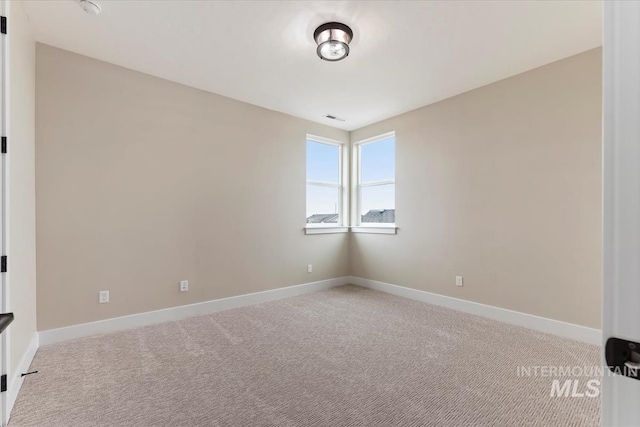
(322, 218)
(380, 215)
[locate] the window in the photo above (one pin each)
(325, 190)
(375, 176)
(367, 201)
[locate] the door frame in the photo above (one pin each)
(5, 51)
(621, 202)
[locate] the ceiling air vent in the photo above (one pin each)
(332, 117)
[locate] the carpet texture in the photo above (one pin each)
(343, 357)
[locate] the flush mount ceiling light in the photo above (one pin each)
(333, 40)
(92, 8)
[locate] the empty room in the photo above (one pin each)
(320, 213)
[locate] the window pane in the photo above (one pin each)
(379, 160)
(378, 204)
(322, 204)
(323, 162)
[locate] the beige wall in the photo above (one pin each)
(142, 182)
(502, 186)
(22, 232)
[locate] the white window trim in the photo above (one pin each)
(356, 199)
(343, 186)
(375, 229)
(326, 230)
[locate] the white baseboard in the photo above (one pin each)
(52, 336)
(17, 378)
(541, 324)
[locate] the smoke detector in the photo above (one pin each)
(92, 8)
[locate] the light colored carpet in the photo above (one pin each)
(344, 357)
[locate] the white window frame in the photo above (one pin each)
(343, 197)
(357, 185)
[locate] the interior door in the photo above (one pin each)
(621, 200)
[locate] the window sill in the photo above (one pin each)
(375, 229)
(326, 230)
(359, 229)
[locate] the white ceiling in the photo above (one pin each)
(404, 54)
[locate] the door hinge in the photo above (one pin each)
(3, 264)
(3, 383)
(3, 25)
(4, 145)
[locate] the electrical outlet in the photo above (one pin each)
(103, 297)
(458, 280)
(184, 285)
(309, 268)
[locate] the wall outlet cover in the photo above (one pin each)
(103, 297)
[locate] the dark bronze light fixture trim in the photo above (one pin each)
(333, 40)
